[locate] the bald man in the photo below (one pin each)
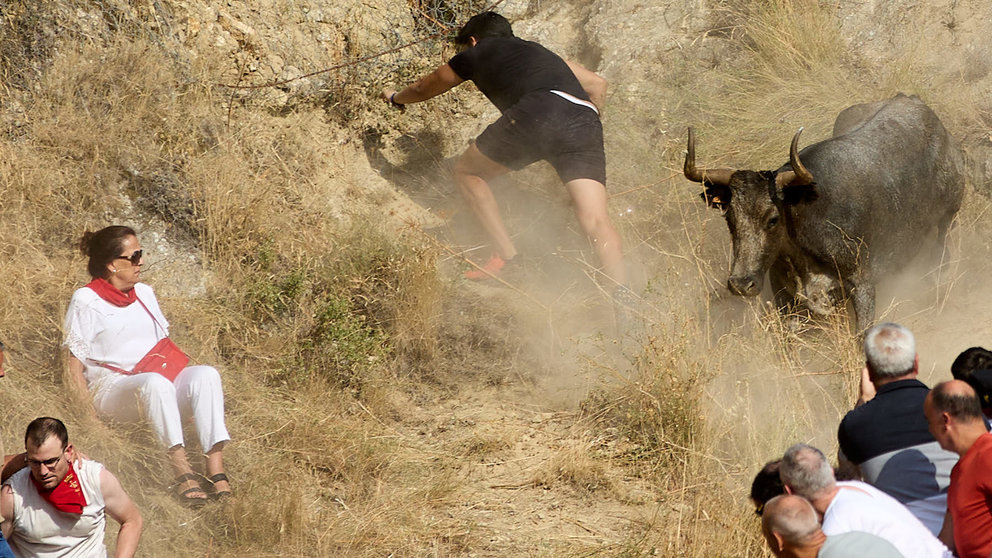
(954, 415)
(854, 505)
(791, 529)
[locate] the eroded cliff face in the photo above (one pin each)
(658, 56)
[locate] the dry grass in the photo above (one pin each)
(315, 314)
(335, 335)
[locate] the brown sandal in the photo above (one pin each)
(184, 496)
(215, 494)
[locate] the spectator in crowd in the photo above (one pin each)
(855, 505)
(766, 485)
(56, 507)
(955, 417)
(4, 547)
(791, 529)
(113, 327)
(886, 436)
(974, 366)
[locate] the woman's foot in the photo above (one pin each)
(220, 487)
(189, 491)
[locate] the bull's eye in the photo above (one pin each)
(771, 223)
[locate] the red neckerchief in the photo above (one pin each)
(112, 294)
(67, 496)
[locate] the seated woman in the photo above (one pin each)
(111, 324)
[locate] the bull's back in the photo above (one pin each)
(881, 188)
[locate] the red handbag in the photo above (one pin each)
(165, 358)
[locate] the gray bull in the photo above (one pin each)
(843, 212)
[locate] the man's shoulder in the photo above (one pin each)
(890, 407)
(19, 480)
(982, 449)
(89, 471)
(857, 543)
(501, 45)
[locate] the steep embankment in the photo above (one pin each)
(306, 238)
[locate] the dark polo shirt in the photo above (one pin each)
(889, 439)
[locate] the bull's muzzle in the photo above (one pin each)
(745, 285)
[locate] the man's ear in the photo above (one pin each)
(788, 490)
(779, 540)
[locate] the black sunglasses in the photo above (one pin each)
(134, 258)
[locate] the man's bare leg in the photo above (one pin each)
(472, 171)
(589, 197)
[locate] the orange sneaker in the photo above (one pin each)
(488, 271)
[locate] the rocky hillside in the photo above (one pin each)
(306, 238)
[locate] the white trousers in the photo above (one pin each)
(196, 394)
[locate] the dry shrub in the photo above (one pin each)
(311, 313)
(574, 465)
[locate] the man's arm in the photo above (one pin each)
(428, 87)
(946, 534)
(593, 83)
(7, 510)
(120, 507)
(866, 389)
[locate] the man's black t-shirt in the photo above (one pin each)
(507, 68)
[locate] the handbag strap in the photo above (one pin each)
(109, 366)
(150, 314)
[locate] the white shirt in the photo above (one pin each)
(44, 532)
(97, 331)
(858, 506)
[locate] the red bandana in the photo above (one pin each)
(67, 496)
(112, 294)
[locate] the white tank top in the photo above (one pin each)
(41, 530)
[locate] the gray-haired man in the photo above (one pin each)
(887, 439)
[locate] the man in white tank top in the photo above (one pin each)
(57, 506)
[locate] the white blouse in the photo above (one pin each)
(97, 331)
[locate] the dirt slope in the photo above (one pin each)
(505, 453)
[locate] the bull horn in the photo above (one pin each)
(802, 174)
(720, 177)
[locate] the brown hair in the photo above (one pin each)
(103, 247)
(42, 428)
(961, 404)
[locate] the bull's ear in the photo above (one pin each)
(716, 196)
(798, 194)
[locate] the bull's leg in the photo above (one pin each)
(863, 298)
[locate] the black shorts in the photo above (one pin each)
(544, 126)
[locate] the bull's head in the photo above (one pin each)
(752, 205)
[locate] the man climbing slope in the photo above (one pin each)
(550, 112)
